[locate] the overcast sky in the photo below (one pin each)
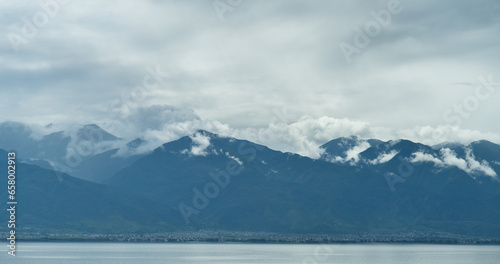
(273, 71)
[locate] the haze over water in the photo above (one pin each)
(125, 253)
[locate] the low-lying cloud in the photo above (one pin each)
(448, 158)
(200, 144)
(384, 157)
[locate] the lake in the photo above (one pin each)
(125, 253)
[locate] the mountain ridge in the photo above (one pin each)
(207, 181)
(176, 171)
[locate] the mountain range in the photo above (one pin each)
(208, 181)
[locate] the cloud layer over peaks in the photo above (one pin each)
(158, 124)
(448, 158)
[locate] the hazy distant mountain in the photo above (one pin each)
(93, 132)
(17, 136)
(89, 153)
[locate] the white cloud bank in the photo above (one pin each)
(384, 157)
(448, 158)
(307, 134)
(200, 144)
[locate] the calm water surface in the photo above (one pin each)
(124, 253)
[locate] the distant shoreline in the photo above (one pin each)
(469, 243)
(261, 240)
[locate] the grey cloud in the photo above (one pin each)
(265, 55)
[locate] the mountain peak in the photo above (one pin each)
(94, 132)
(91, 126)
(136, 143)
(484, 143)
(341, 142)
(205, 133)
